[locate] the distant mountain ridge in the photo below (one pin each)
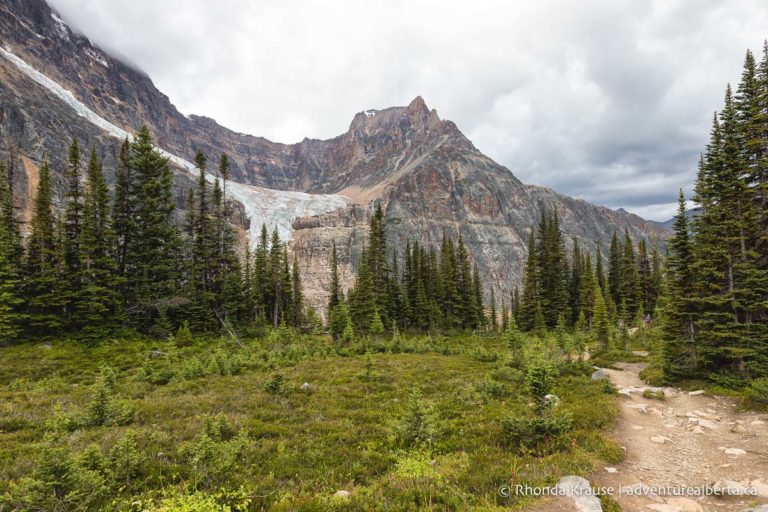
(428, 176)
(691, 213)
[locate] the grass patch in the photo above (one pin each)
(282, 423)
(654, 395)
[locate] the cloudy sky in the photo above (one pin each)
(606, 100)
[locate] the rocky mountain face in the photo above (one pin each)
(427, 175)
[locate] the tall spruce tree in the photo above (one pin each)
(99, 306)
(122, 208)
(629, 284)
(680, 350)
(73, 221)
(11, 301)
(530, 301)
(42, 288)
(152, 262)
(334, 297)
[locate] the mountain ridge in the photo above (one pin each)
(429, 177)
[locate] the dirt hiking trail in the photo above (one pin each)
(687, 439)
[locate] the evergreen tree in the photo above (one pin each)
(123, 207)
(614, 271)
(274, 266)
(575, 282)
(477, 303)
(335, 287)
(680, 351)
(262, 277)
(629, 283)
(73, 220)
(152, 262)
(601, 325)
(470, 302)
(99, 306)
(11, 316)
(455, 308)
(530, 299)
(600, 273)
(228, 284)
(201, 273)
(339, 322)
(587, 290)
(249, 307)
(42, 286)
(553, 269)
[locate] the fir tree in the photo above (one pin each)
(274, 266)
(614, 271)
(99, 306)
(335, 288)
(530, 299)
(152, 263)
(587, 290)
(42, 285)
(629, 284)
(123, 207)
(11, 316)
(601, 325)
(73, 220)
(575, 281)
(680, 351)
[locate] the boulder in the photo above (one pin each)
(731, 488)
(599, 374)
(578, 489)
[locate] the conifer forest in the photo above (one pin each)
(383, 321)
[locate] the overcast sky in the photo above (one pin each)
(606, 100)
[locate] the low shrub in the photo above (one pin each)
(540, 379)
(540, 435)
(276, 385)
(758, 391)
(417, 425)
(61, 421)
(491, 389)
(483, 355)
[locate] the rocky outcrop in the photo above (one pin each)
(427, 175)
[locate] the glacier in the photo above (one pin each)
(277, 209)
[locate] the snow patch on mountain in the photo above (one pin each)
(273, 208)
(61, 27)
(96, 56)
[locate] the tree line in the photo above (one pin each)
(717, 325)
(578, 291)
(113, 261)
(425, 289)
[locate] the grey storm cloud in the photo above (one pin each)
(609, 100)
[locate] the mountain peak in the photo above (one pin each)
(417, 105)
